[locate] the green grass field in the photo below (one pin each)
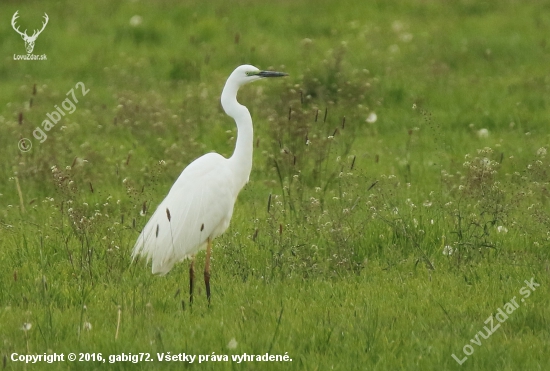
(398, 202)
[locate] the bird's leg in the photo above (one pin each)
(207, 269)
(191, 279)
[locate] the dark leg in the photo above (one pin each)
(207, 269)
(191, 279)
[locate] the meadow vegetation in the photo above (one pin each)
(399, 194)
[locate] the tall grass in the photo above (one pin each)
(399, 192)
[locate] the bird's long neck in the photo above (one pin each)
(241, 160)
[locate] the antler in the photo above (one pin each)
(13, 19)
(36, 32)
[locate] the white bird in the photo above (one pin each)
(199, 206)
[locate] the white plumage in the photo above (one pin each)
(199, 206)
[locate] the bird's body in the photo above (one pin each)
(199, 206)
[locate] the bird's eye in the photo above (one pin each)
(251, 73)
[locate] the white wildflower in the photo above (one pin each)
(232, 344)
(447, 250)
(371, 119)
(136, 21)
(483, 133)
(501, 229)
(26, 326)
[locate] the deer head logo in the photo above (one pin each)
(29, 40)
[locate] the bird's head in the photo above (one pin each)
(247, 73)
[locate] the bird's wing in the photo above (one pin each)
(199, 206)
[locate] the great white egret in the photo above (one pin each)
(199, 206)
